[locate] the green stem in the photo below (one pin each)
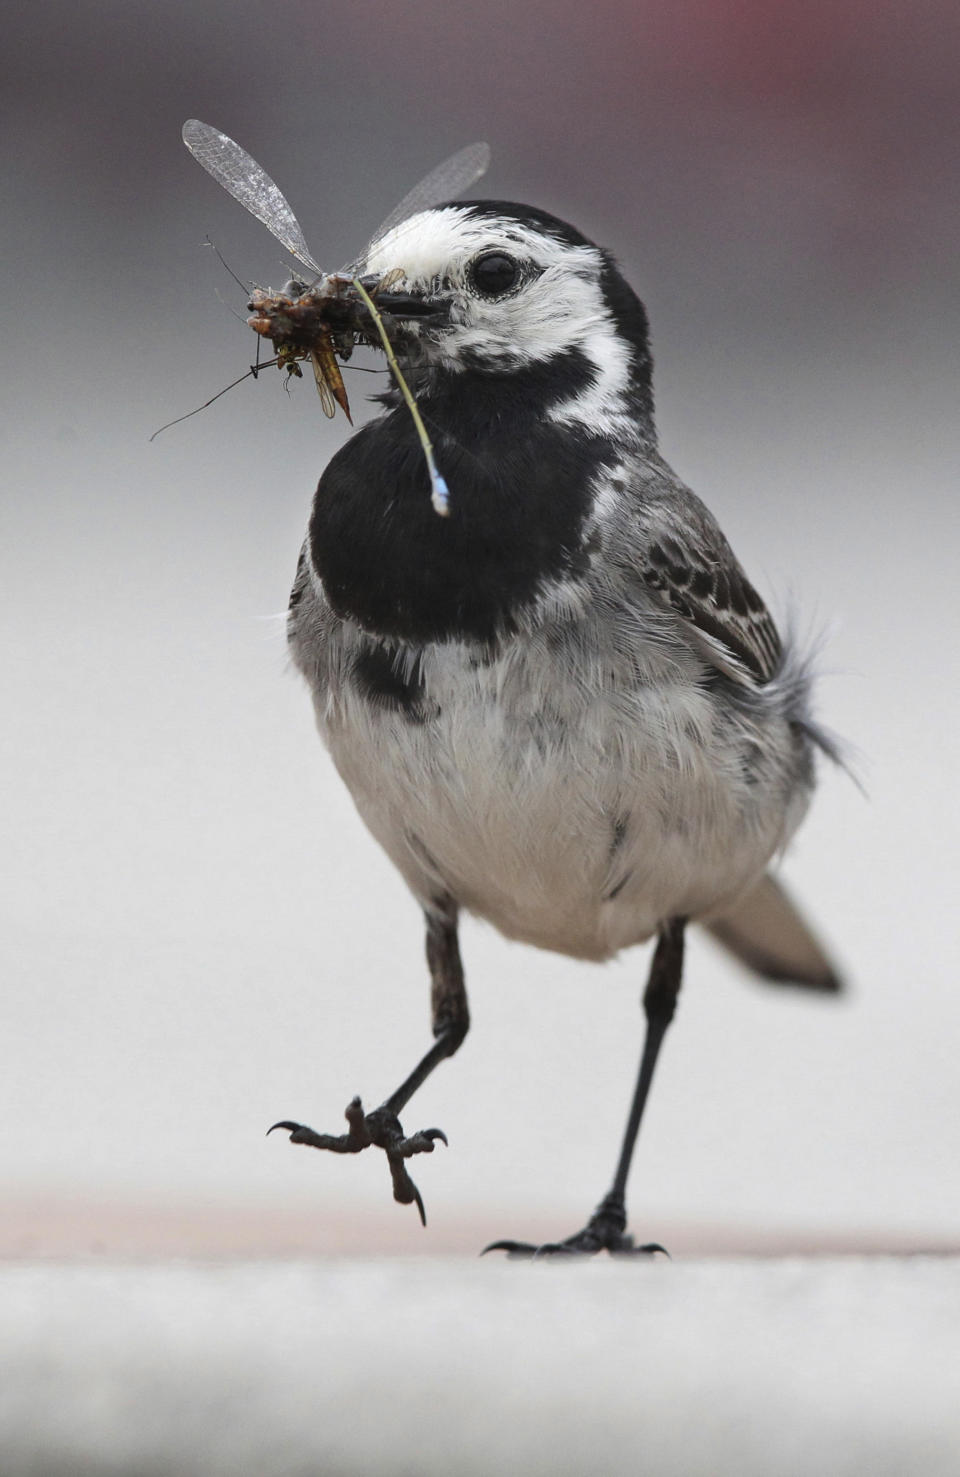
(439, 491)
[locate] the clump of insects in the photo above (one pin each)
(323, 317)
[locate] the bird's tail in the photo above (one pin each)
(767, 933)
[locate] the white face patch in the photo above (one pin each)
(557, 306)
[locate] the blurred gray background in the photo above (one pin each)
(198, 937)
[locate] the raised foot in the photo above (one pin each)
(380, 1129)
(605, 1231)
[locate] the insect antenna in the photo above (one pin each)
(225, 264)
(223, 303)
(251, 373)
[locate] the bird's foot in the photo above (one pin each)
(605, 1231)
(381, 1129)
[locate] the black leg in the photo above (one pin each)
(448, 999)
(451, 1021)
(606, 1229)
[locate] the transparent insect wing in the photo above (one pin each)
(448, 180)
(390, 279)
(327, 403)
(243, 178)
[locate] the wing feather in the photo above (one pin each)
(693, 569)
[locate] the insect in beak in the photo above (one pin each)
(316, 324)
(323, 319)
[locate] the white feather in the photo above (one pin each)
(562, 308)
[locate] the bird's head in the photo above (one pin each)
(507, 291)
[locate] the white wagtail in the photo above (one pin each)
(563, 707)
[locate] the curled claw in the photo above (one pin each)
(382, 1129)
(423, 1142)
(284, 1123)
(352, 1142)
(526, 1251)
(606, 1230)
(580, 1245)
(301, 1134)
(516, 1250)
(405, 1191)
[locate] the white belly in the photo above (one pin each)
(580, 830)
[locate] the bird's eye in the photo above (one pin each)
(494, 273)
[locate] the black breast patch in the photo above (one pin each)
(519, 497)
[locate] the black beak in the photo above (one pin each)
(405, 305)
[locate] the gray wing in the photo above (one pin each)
(688, 562)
